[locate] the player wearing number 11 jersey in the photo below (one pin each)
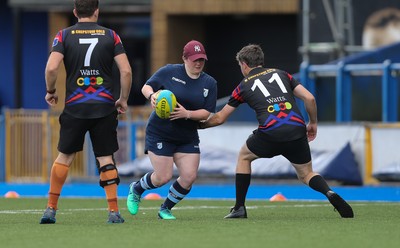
(281, 131)
(89, 52)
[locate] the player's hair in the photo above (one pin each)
(85, 8)
(252, 55)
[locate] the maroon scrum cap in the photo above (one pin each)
(194, 50)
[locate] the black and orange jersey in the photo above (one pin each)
(269, 92)
(89, 50)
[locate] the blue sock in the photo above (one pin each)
(176, 194)
(144, 184)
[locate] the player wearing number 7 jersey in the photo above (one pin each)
(89, 52)
(281, 130)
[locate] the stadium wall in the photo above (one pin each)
(30, 63)
(28, 145)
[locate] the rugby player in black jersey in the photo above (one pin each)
(88, 51)
(281, 131)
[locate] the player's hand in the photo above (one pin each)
(311, 131)
(51, 99)
(122, 106)
(179, 113)
(153, 99)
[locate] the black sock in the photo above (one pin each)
(319, 184)
(176, 194)
(242, 183)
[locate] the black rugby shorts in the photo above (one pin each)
(102, 131)
(296, 151)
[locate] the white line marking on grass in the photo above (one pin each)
(70, 210)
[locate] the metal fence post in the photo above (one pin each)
(347, 96)
(386, 91)
(339, 92)
(304, 79)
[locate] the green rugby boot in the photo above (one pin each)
(133, 200)
(165, 214)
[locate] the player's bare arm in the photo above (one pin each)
(51, 73)
(311, 108)
(219, 118)
(309, 102)
(150, 94)
(180, 112)
(126, 81)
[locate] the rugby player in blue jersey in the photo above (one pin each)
(281, 130)
(176, 140)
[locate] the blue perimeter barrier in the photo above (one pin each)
(343, 73)
(215, 191)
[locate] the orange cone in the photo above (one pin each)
(278, 197)
(11, 194)
(152, 196)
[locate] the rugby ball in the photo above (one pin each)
(165, 103)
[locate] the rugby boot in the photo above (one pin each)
(239, 213)
(133, 200)
(49, 216)
(340, 205)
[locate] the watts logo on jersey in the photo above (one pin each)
(81, 81)
(279, 107)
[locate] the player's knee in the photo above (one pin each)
(190, 178)
(104, 160)
(108, 175)
(305, 176)
(160, 180)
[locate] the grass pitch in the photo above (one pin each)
(200, 223)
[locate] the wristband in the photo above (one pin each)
(149, 98)
(51, 91)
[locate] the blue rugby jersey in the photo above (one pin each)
(193, 94)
